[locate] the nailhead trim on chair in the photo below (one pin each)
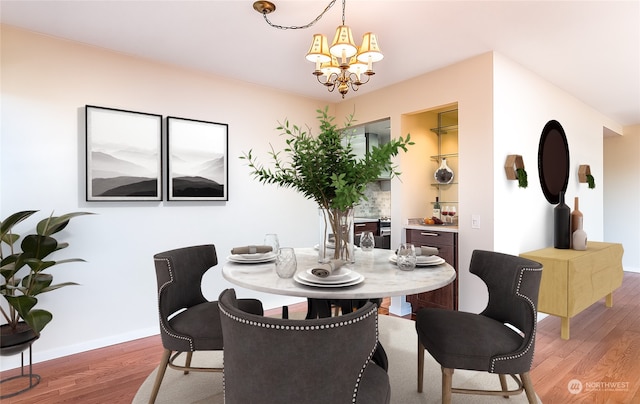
(374, 310)
(170, 281)
(535, 325)
(297, 327)
(364, 366)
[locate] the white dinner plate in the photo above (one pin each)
(330, 246)
(342, 275)
(357, 279)
(422, 261)
(252, 258)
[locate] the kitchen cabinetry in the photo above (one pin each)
(447, 244)
(366, 226)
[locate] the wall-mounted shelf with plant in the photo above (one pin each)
(514, 168)
(584, 176)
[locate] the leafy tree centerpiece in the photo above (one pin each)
(326, 169)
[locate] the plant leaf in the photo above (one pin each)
(54, 224)
(38, 246)
(22, 304)
(36, 283)
(7, 224)
(38, 319)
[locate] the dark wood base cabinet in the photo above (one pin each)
(447, 244)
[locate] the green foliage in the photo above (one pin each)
(591, 181)
(23, 269)
(325, 168)
(523, 182)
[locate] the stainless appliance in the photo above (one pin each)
(385, 226)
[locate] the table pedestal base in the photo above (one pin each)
(321, 308)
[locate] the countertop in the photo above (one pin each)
(433, 227)
(365, 220)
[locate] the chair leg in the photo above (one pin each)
(503, 384)
(161, 370)
(447, 381)
(528, 388)
(420, 366)
(187, 362)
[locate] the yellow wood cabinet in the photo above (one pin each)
(574, 280)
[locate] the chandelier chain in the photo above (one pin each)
(309, 24)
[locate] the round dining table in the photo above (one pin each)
(382, 277)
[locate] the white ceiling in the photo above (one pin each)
(591, 49)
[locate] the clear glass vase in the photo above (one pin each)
(336, 239)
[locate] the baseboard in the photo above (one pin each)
(13, 362)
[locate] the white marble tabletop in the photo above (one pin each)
(382, 278)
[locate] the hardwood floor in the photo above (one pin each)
(603, 354)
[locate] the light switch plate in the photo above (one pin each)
(475, 221)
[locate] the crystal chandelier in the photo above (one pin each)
(342, 65)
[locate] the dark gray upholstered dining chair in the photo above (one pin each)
(319, 361)
(188, 321)
(487, 341)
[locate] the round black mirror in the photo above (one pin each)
(553, 161)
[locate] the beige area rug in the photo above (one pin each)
(399, 339)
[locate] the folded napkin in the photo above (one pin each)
(424, 250)
(252, 249)
(324, 270)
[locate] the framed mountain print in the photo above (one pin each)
(124, 155)
(197, 160)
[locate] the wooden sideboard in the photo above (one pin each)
(573, 280)
(447, 244)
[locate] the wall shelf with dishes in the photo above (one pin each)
(445, 162)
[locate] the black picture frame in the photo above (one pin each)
(197, 160)
(123, 155)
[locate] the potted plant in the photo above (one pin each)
(23, 270)
(326, 169)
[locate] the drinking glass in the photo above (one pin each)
(452, 213)
(367, 241)
(271, 239)
(286, 262)
(445, 212)
(406, 257)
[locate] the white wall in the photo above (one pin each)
(621, 186)
(524, 103)
(469, 83)
(502, 110)
(45, 85)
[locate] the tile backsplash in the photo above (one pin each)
(378, 203)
